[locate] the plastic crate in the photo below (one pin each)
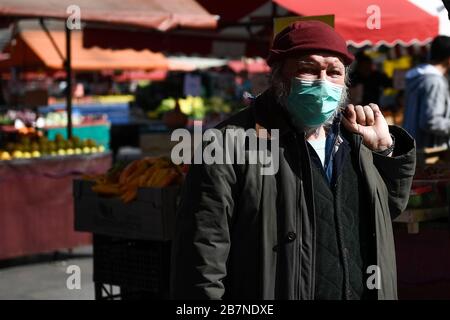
(139, 267)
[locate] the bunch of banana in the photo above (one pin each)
(146, 172)
(107, 184)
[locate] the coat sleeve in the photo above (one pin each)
(433, 108)
(398, 171)
(201, 241)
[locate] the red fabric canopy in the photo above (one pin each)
(33, 50)
(401, 22)
(153, 14)
(230, 11)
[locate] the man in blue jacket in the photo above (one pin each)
(427, 114)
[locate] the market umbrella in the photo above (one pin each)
(33, 49)
(400, 21)
(436, 8)
(152, 14)
(229, 39)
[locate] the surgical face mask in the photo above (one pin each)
(313, 102)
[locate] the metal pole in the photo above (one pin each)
(68, 66)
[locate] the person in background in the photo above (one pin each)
(366, 82)
(427, 112)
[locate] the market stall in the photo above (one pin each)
(422, 231)
(36, 203)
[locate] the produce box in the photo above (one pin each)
(150, 217)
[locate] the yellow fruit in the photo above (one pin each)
(94, 149)
(62, 152)
(78, 151)
(5, 155)
(70, 152)
(27, 155)
(86, 150)
(101, 148)
(36, 154)
(17, 154)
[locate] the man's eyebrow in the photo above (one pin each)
(310, 62)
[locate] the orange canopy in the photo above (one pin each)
(34, 50)
(154, 14)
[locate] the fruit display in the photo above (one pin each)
(123, 181)
(194, 107)
(430, 187)
(39, 146)
(59, 119)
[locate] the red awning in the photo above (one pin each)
(34, 50)
(401, 22)
(206, 42)
(153, 14)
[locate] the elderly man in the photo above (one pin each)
(321, 226)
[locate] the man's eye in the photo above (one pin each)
(335, 72)
(307, 71)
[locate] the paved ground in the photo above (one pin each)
(44, 277)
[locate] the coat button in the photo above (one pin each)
(291, 236)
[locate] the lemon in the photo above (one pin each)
(5, 155)
(35, 154)
(18, 154)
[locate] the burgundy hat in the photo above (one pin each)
(304, 37)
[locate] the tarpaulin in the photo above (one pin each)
(372, 22)
(34, 49)
(152, 14)
(36, 203)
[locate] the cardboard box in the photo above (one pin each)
(150, 217)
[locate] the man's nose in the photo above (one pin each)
(323, 74)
